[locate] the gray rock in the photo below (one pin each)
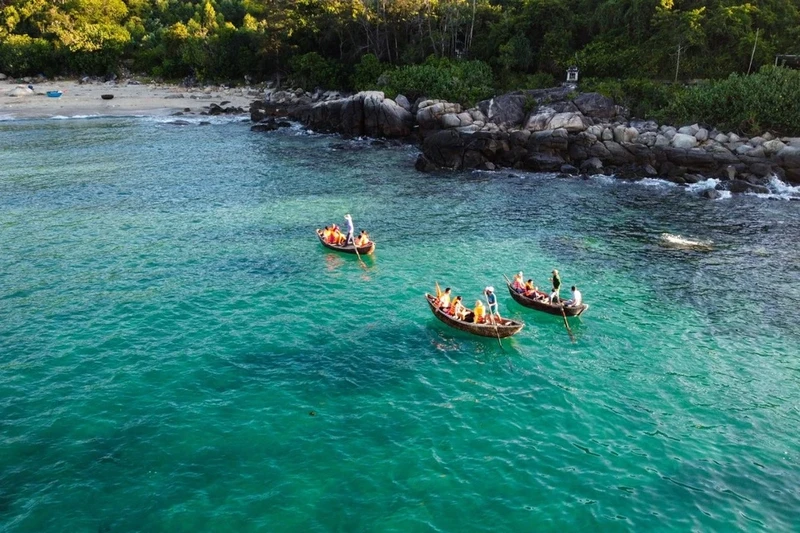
(444, 148)
(648, 138)
(644, 126)
(449, 120)
(661, 141)
(741, 186)
(595, 105)
(3, 77)
(773, 146)
(684, 140)
(618, 154)
(403, 102)
(569, 169)
(701, 135)
(607, 135)
(733, 138)
(174, 96)
(543, 162)
(721, 138)
(711, 194)
(789, 160)
(591, 165)
(689, 130)
(572, 122)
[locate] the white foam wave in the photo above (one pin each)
(700, 186)
(656, 183)
(7, 118)
(73, 117)
(679, 241)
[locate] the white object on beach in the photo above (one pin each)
(21, 90)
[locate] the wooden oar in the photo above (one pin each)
(494, 322)
(355, 247)
(571, 336)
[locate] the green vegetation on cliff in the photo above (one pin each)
(454, 49)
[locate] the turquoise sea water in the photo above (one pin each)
(179, 353)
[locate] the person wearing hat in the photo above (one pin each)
(491, 299)
(350, 229)
(556, 287)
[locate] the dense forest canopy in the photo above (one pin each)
(347, 43)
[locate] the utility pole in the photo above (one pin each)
(754, 52)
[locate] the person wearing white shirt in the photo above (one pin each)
(350, 229)
(577, 298)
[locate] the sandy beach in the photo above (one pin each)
(129, 99)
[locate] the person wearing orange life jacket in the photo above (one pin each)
(326, 234)
(456, 310)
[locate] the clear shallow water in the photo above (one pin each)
(169, 325)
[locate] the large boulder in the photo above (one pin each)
(445, 148)
(684, 140)
(595, 105)
(510, 109)
(431, 113)
(366, 113)
(571, 122)
(789, 159)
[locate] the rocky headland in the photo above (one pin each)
(548, 130)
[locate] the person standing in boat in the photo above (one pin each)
(577, 298)
(491, 299)
(556, 287)
(350, 229)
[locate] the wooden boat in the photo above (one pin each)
(347, 248)
(547, 307)
(54, 94)
(506, 329)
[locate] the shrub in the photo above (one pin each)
(311, 70)
(643, 98)
(22, 55)
(767, 100)
(465, 82)
(367, 72)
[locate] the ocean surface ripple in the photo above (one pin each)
(180, 354)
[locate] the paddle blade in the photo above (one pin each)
(438, 290)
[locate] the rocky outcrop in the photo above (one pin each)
(547, 130)
(366, 113)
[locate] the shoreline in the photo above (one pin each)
(130, 98)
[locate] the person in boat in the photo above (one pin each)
(518, 284)
(362, 239)
(556, 287)
(457, 309)
(326, 234)
(532, 291)
(491, 299)
(350, 229)
(444, 299)
(333, 236)
(479, 313)
(577, 298)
